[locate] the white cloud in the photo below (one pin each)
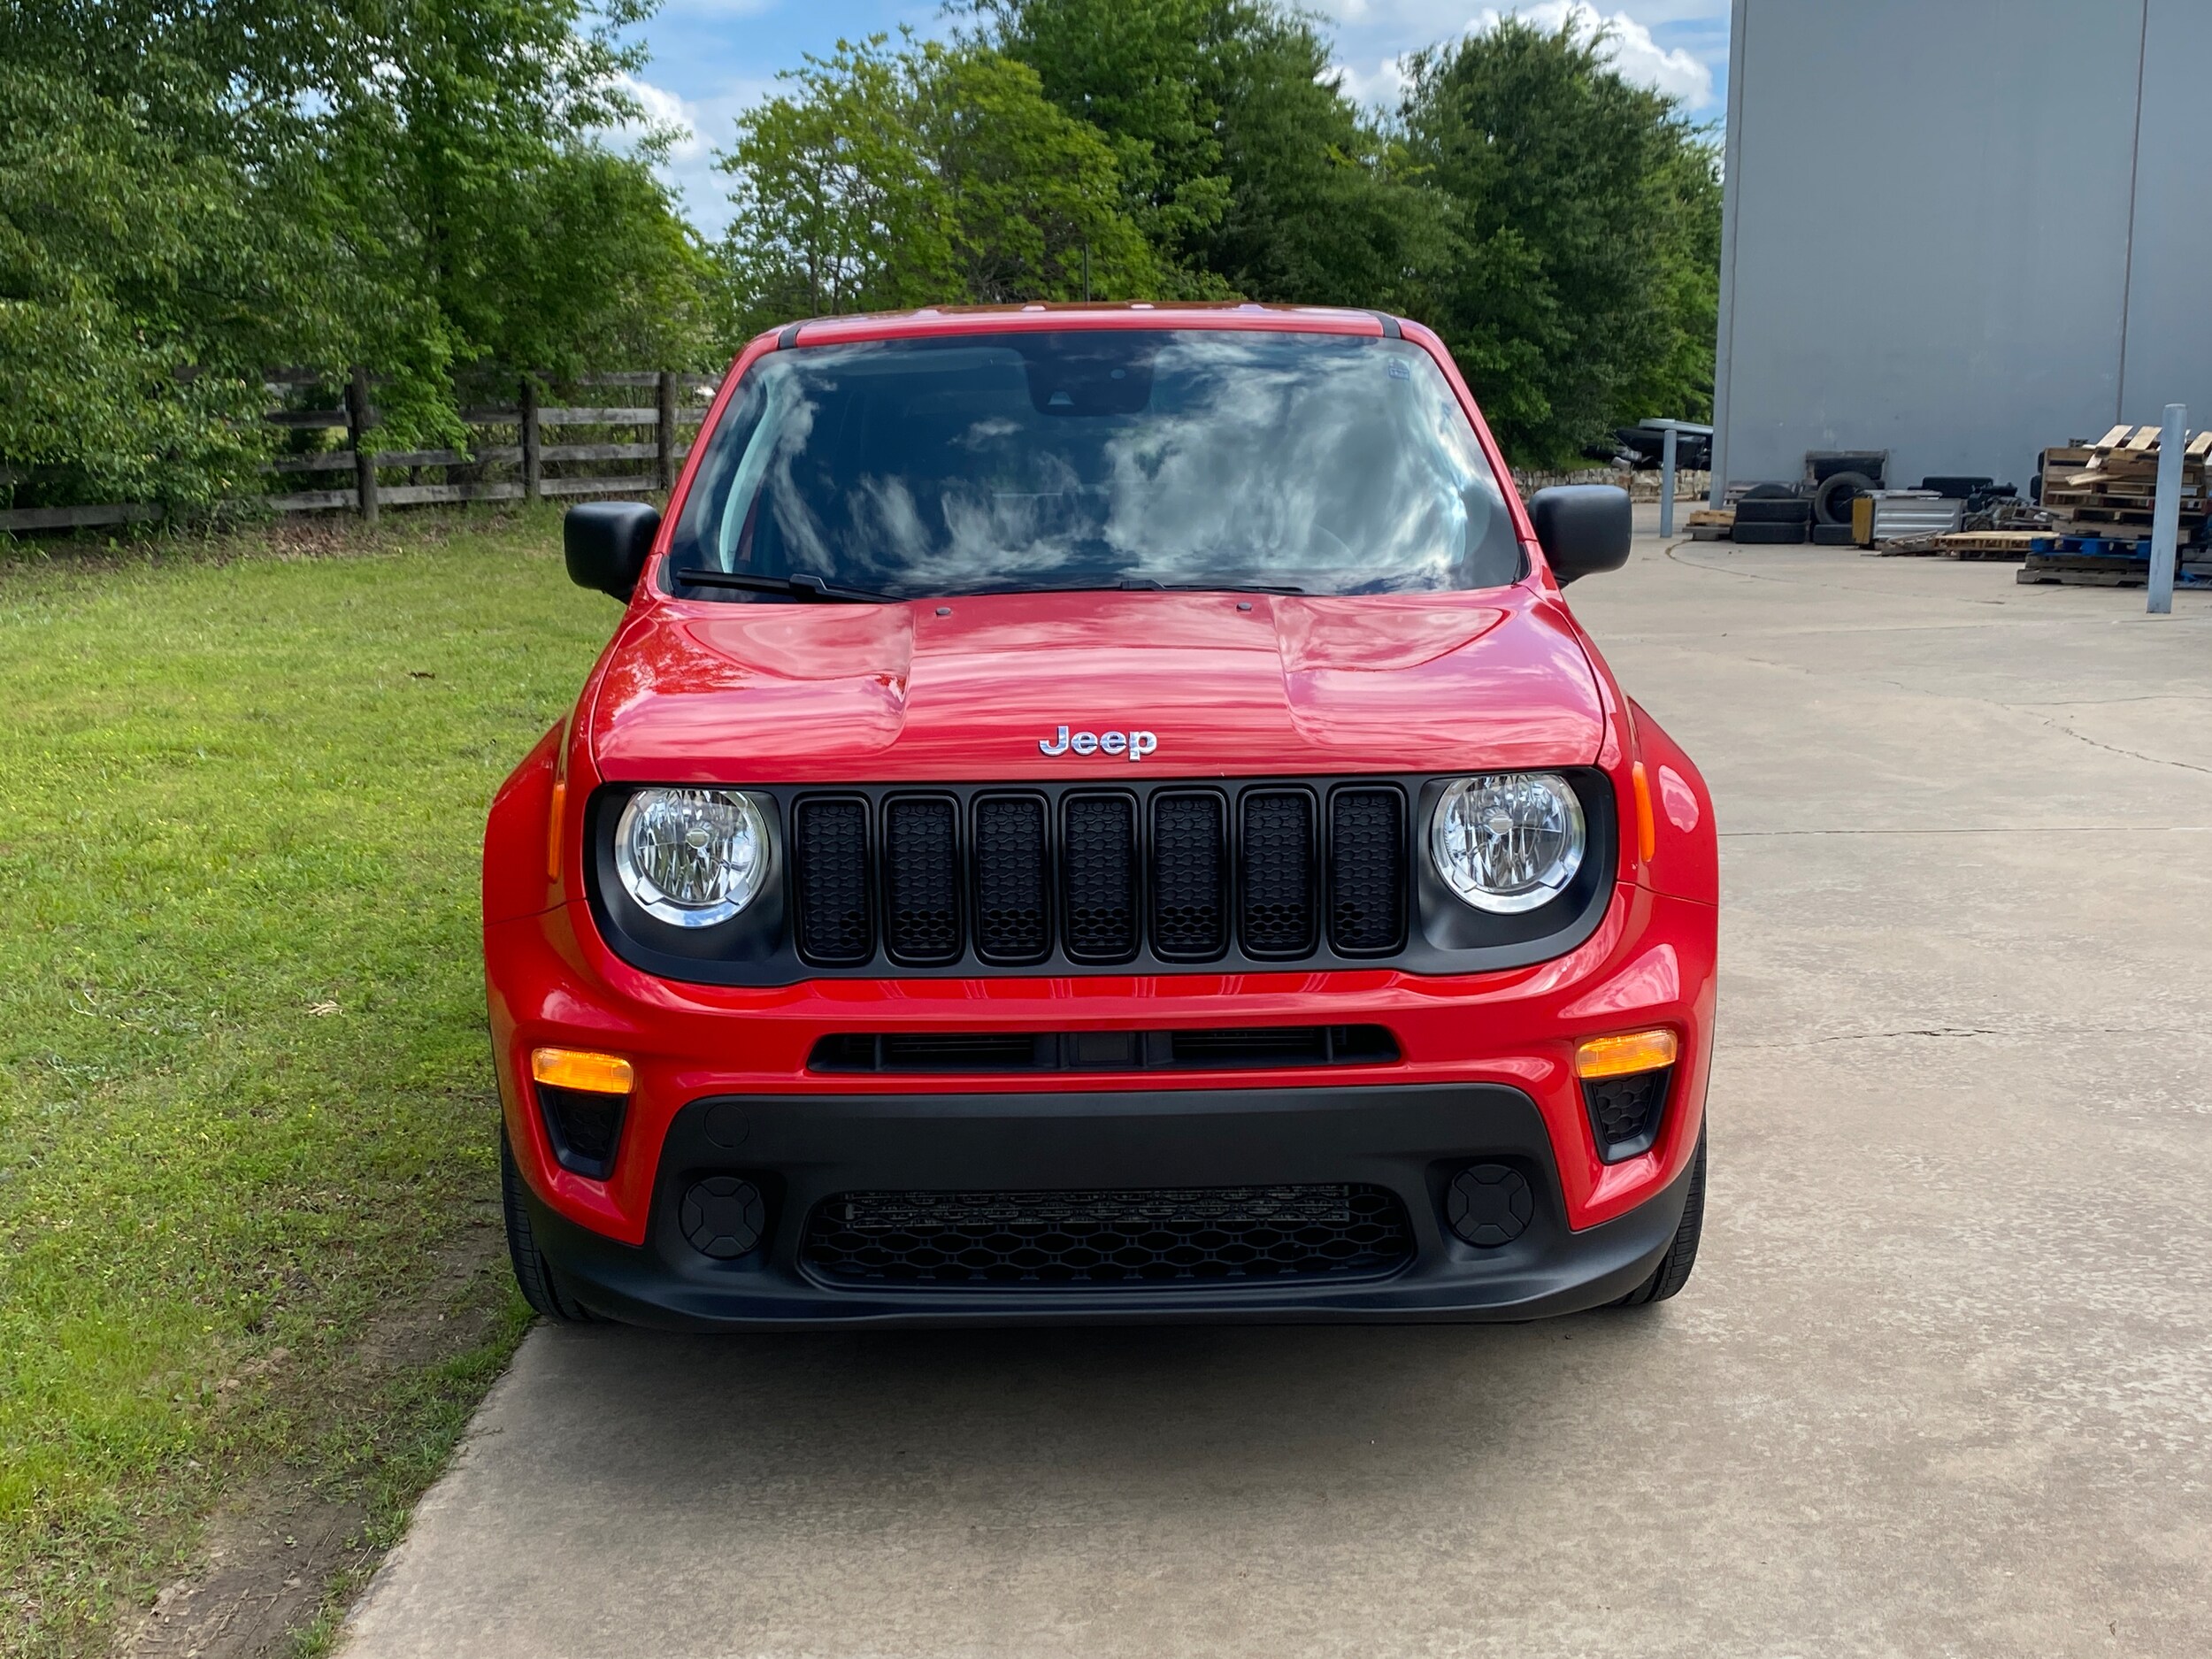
(1430, 20)
(1380, 85)
(702, 126)
(1377, 33)
(665, 109)
(1639, 57)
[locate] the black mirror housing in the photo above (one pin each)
(1583, 528)
(606, 544)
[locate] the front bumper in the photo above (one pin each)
(1409, 1139)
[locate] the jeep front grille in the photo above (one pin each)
(1013, 899)
(921, 909)
(1095, 876)
(1190, 923)
(831, 870)
(1275, 907)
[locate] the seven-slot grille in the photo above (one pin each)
(1281, 872)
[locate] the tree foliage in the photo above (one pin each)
(1559, 225)
(928, 174)
(192, 193)
(1586, 213)
(1242, 160)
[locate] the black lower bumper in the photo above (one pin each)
(1412, 1139)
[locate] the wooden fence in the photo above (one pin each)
(679, 402)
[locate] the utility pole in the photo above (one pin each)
(2166, 509)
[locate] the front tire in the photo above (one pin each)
(1673, 1271)
(534, 1276)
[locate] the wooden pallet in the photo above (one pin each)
(2112, 576)
(2035, 576)
(2112, 484)
(1988, 544)
(2104, 570)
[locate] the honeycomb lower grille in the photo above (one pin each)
(585, 1128)
(1625, 1112)
(1174, 1237)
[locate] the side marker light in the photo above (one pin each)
(1647, 827)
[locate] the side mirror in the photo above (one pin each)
(606, 542)
(1583, 528)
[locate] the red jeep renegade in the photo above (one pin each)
(1093, 814)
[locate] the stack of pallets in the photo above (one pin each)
(2100, 496)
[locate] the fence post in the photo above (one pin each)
(361, 418)
(667, 430)
(1666, 479)
(2166, 509)
(533, 462)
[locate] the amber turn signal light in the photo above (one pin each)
(1647, 827)
(581, 1069)
(1625, 1054)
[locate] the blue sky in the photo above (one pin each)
(712, 58)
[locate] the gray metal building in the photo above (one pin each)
(1961, 230)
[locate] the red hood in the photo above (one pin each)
(735, 692)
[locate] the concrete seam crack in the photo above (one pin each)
(1973, 1031)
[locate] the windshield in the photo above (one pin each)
(1318, 464)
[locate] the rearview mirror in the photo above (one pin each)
(1583, 528)
(606, 542)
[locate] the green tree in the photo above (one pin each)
(1145, 74)
(1031, 195)
(1323, 207)
(834, 210)
(884, 179)
(1587, 212)
(191, 193)
(113, 247)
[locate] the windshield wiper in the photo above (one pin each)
(802, 587)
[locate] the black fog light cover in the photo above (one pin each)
(1625, 1112)
(1490, 1204)
(585, 1127)
(723, 1217)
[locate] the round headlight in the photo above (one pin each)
(692, 857)
(1509, 840)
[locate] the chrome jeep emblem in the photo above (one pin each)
(1135, 745)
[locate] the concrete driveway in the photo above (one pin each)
(1942, 1383)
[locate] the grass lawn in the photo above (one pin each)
(246, 1109)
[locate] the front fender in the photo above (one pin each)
(1686, 860)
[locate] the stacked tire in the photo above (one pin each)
(1831, 507)
(1772, 516)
